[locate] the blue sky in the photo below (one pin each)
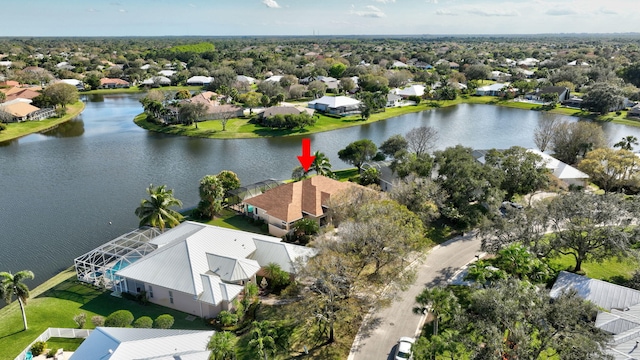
(306, 17)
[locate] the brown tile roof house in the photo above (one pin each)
(222, 111)
(285, 204)
(208, 98)
(19, 110)
(22, 94)
(113, 83)
(9, 83)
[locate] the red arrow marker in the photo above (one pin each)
(306, 159)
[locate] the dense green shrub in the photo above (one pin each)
(38, 347)
(164, 321)
(227, 319)
(143, 322)
(289, 121)
(52, 353)
(120, 318)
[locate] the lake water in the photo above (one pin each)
(68, 191)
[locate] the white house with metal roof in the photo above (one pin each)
(413, 90)
(200, 269)
(130, 343)
(199, 80)
(565, 172)
(336, 105)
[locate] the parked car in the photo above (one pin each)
(403, 349)
(508, 206)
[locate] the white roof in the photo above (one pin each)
(280, 253)
(232, 269)
(603, 294)
(243, 78)
(529, 62)
(145, 67)
(559, 169)
(326, 79)
(167, 73)
(73, 82)
(399, 64)
(132, 343)
(215, 291)
(413, 90)
(200, 79)
(335, 101)
(6, 63)
(157, 79)
(274, 78)
(199, 259)
(493, 87)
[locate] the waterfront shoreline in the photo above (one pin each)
(18, 130)
(241, 128)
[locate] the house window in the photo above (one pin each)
(150, 291)
(171, 297)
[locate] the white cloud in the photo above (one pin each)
(560, 12)
(431, 1)
(492, 12)
(385, 1)
(445, 12)
(92, 10)
(370, 11)
(122, 10)
(271, 4)
(607, 11)
(477, 11)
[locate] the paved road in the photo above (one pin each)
(378, 336)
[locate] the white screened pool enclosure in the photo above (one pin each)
(99, 266)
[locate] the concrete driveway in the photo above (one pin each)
(378, 335)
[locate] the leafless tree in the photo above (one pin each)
(543, 133)
(422, 139)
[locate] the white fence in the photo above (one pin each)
(56, 332)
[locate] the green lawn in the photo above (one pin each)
(57, 301)
(64, 343)
(17, 130)
(609, 270)
(346, 174)
(231, 220)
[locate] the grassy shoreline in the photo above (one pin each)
(239, 128)
(18, 130)
(137, 90)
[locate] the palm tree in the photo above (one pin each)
(627, 142)
(156, 211)
(321, 164)
(222, 346)
(277, 277)
(263, 339)
(11, 284)
(440, 302)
